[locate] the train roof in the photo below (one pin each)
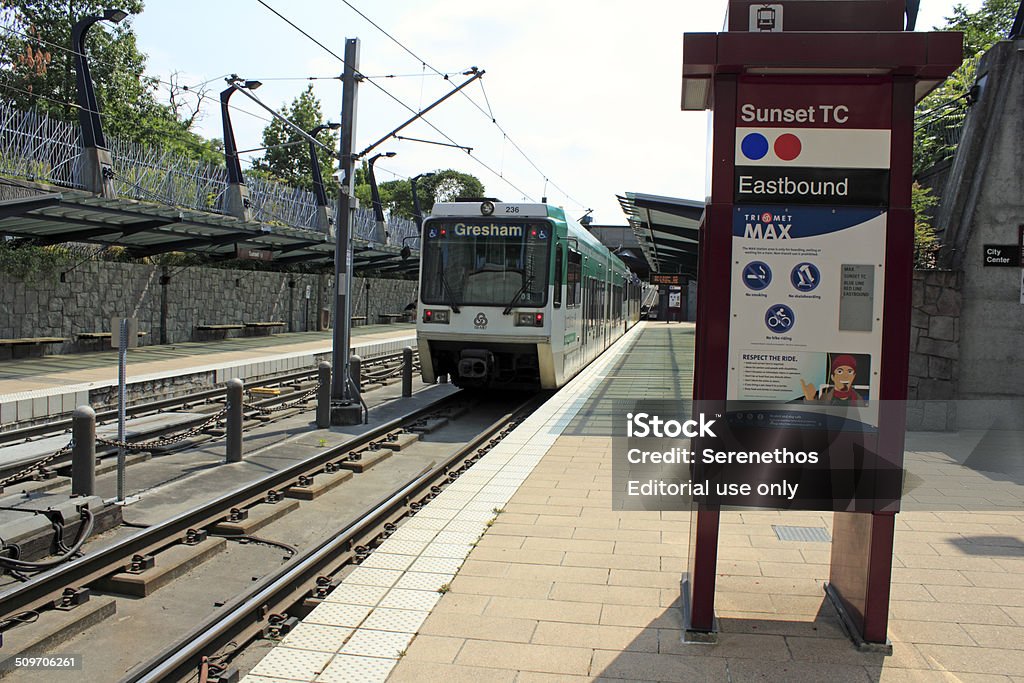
(489, 207)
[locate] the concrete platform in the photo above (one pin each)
(521, 570)
(33, 389)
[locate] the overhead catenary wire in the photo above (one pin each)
(390, 95)
(489, 113)
(191, 89)
(206, 97)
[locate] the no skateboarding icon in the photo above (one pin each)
(805, 277)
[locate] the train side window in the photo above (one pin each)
(557, 298)
(572, 292)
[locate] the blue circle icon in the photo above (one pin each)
(780, 318)
(757, 275)
(754, 146)
(805, 277)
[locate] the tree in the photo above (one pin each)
(287, 156)
(926, 243)
(39, 71)
(443, 186)
(985, 27)
(941, 113)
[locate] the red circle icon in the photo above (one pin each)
(787, 147)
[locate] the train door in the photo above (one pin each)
(573, 306)
(607, 308)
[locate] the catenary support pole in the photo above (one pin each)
(345, 398)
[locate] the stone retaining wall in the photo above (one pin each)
(94, 292)
(934, 349)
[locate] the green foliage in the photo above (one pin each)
(941, 113)
(287, 157)
(396, 195)
(926, 244)
(40, 72)
(29, 262)
(985, 27)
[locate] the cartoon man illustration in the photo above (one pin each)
(844, 371)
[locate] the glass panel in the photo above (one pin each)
(485, 263)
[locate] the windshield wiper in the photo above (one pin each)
(522, 290)
(448, 289)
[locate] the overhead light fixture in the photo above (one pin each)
(252, 85)
(115, 15)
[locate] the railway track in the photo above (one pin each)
(302, 576)
(377, 370)
(269, 605)
(63, 426)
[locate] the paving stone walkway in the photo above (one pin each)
(563, 588)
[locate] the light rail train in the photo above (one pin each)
(513, 295)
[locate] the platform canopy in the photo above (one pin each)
(667, 229)
(43, 216)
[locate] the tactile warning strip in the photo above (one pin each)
(812, 534)
(469, 503)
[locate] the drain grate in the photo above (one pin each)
(814, 534)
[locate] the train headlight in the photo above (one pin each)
(487, 208)
(528, 319)
(433, 316)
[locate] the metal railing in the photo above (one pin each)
(40, 148)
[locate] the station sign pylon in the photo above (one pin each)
(808, 233)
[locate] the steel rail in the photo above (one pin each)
(50, 585)
(56, 427)
(241, 619)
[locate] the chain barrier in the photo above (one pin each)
(164, 440)
(38, 465)
(374, 377)
(284, 406)
(177, 438)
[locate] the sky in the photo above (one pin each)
(585, 93)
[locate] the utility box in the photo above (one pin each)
(115, 332)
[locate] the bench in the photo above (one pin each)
(388, 318)
(358, 320)
(29, 346)
(88, 336)
(216, 331)
(263, 327)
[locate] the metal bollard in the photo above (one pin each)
(355, 371)
(323, 397)
(234, 420)
(83, 452)
(407, 372)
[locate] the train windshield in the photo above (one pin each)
(485, 263)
